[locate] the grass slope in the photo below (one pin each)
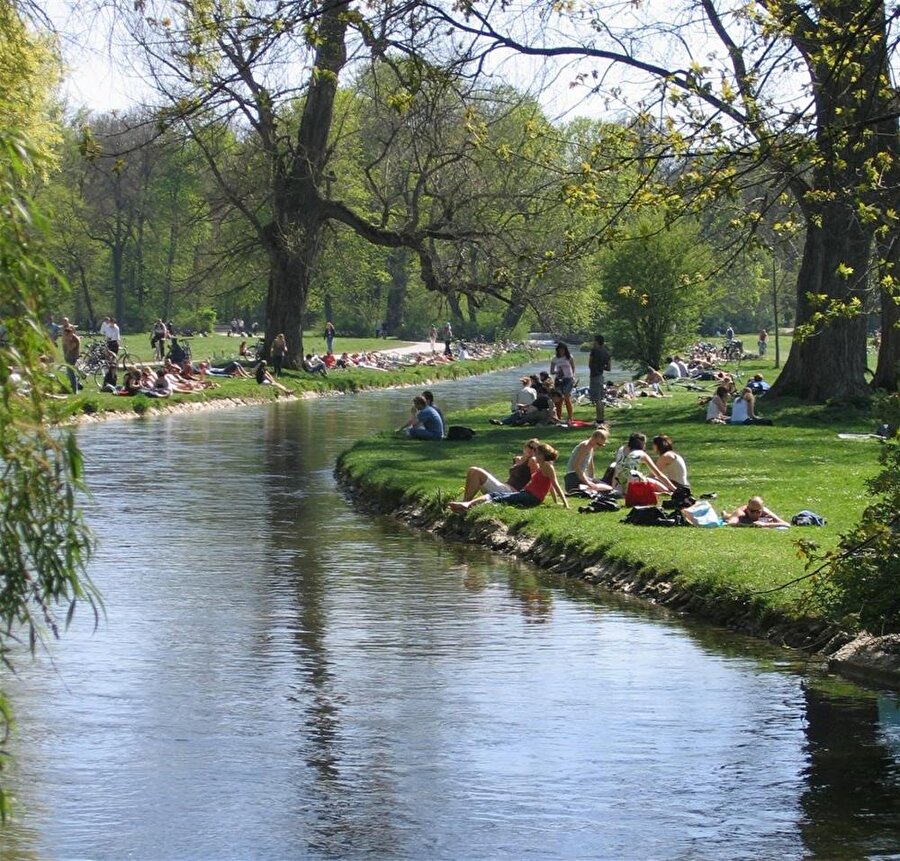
(800, 463)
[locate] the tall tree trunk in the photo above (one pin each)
(294, 238)
(886, 373)
(830, 362)
(289, 280)
(86, 293)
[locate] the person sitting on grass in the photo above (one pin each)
(314, 365)
(717, 408)
(539, 412)
(754, 513)
(162, 388)
(428, 421)
(479, 480)
(742, 410)
(580, 469)
(633, 464)
(669, 462)
(543, 481)
(265, 378)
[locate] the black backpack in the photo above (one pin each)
(651, 515)
(460, 433)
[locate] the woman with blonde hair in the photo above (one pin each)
(743, 410)
(543, 481)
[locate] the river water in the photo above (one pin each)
(278, 676)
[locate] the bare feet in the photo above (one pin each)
(457, 506)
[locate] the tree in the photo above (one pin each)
(44, 543)
(802, 90)
(654, 288)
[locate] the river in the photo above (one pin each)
(278, 676)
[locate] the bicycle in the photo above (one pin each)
(257, 351)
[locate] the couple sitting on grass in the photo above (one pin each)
(531, 477)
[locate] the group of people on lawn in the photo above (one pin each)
(633, 475)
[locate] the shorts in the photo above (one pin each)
(494, 485)
(564, 385)
(596, 389)
(517, 497)
(571, 482)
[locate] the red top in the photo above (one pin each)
(539, 486)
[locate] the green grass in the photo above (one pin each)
(799, 463)
(91, 402)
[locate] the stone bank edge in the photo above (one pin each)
(867, 659)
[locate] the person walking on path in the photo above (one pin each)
(432, 337)
(329, 337)
(598, 363)
(763, 342)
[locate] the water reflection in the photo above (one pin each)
(280, 677)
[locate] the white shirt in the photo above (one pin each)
(673, 372)
(526, 396)
(739, 412)
(104, 329)
(113, 332)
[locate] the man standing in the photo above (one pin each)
(113, 335)
(71, 346)
(447, 335)
(598, 363)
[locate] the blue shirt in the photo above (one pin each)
(431, 421)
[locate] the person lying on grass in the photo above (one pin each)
(479, 480)
(543, 481)
(754, 513)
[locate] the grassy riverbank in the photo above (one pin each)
(91, 402)
(799, 463)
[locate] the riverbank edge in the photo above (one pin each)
(163, 408)
(865, 659)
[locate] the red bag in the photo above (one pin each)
(640, 493)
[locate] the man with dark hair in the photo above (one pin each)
(598, 363)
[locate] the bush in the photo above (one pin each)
(140, 404)
(199, 320)
(858, 584)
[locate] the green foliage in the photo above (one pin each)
(44, 543)
(654, 288)
(858, 582)
(200, 320)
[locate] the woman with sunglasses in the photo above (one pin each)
(754, 513)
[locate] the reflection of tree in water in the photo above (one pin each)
(330, 816)
(852, 797)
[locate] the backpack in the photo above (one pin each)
(640, 493)
(460, 433)
(651, 515)
(808, 518)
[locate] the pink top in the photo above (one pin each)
(539, 485)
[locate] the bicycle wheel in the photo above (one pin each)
(99, 374)
(124, 359)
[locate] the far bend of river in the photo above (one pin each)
(279, 677)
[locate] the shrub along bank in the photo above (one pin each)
(90, 401)
(733, 575)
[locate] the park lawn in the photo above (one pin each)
(92, 402)
(797, 464)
